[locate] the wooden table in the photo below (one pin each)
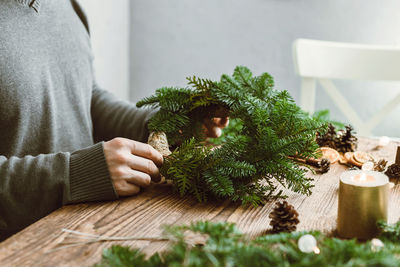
(144, 214)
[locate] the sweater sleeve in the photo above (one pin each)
(112, 117)
(116, 118)
(33, 186)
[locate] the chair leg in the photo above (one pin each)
(308, 95)
(390, 106)
(345, 107)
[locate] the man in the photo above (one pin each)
(52, 113)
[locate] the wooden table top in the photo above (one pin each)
(144, 214)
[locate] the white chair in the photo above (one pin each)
(321, 61)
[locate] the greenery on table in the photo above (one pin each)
(268, 128)
(324, 116)
(224, 245)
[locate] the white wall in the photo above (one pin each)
(146, 44)
(177, 38)
(109, 30)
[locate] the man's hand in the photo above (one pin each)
(214, 126)
(131, 165)
(219, 119)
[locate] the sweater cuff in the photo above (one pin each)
(89, 176)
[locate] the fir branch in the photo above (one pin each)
(184, 168)
(222, 244)
(201, 85)
(390, 231)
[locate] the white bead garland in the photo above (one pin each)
(307, 244)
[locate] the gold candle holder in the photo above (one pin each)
(363, 201)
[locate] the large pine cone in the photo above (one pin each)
(284, 218)
(329, 138)
(393, 171)
(343, 140)
(346, 142)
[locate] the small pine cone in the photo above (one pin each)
(393, 171)
(284, 218)
(380, 165)
(324, 165)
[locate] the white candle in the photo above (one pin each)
(363, 178)
(363, 200)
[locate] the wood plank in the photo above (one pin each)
(145, 214)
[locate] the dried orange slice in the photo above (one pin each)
(362, 157)
(342, 159)
(355, 162)
(348, 156)
(330, 154)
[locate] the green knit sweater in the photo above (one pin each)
(52, 113)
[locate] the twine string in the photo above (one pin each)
(92, 238)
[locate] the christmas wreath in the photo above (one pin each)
(271, 132)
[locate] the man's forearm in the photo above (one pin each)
(32, 187)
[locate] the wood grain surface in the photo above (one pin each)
(143, 215)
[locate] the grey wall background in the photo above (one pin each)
(173, 39)
(109, 32)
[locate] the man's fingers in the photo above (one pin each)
(131, 165)
(139, 178)
(144, 165)
(213, 126)
(217, 132)
(221, 122)
(216, 122)
(213, 132)
(146, 151)
(126, 189)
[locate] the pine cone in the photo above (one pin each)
(328, 139)
(324, 165)
(343, 140)
(393, 171)
(380, 165)
(346, 141)
(284, 218)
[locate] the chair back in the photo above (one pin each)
(320, 61)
